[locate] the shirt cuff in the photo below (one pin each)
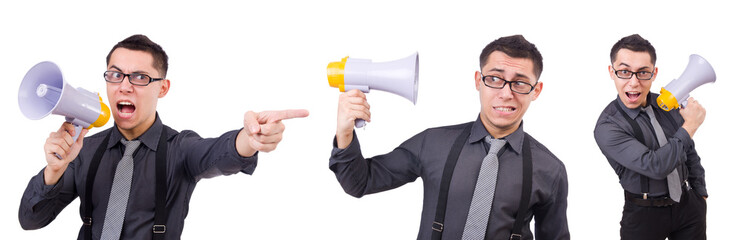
(685, 139)
(44, 191)
(248, 163)
(347, 154)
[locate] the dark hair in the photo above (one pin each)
(634, 43)
(515, 46)
(140, 42)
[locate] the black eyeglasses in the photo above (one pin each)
(138, 79)
(626, 74)
(499, 83)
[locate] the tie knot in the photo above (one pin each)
(130, 146)
(496, 143)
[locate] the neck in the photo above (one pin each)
(500, 132)
(137, 131)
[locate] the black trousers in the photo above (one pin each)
(683, 220)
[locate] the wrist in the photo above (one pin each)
(242, 144)
(52, 176)
(690, 129)
(344, 139)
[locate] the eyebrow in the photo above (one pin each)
(116, 68)
(119, 69)
(517, 75)
(628, 66)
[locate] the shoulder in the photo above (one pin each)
(444, 132)
(437, 137)
(171, 133)
(544, 158)
(538, 148)
(608, 112)
(673, 114)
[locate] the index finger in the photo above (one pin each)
(274, 116)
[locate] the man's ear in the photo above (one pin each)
(164, 88)
(477, 80)
(536, 91)
(656, 72)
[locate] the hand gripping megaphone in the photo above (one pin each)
(697, 72)
(399, 77)
(44, 91)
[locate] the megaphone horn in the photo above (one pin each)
(399, 77)
(44, 91)
(697, 73)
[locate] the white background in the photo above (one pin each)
(227, 58)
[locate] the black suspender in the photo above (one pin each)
(442, 198)
(160, 211)
(87, 219)
(639, 135)
(527, 185)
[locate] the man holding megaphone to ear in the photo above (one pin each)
(135, 179)
(651, 149)
(473, 169)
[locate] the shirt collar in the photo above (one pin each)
(514, 140)
(150, 138)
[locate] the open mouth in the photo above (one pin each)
(633, 96)
(505, 109)
(125, 108)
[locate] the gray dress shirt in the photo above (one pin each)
(189, 159)
(424, 156)
(630, 158)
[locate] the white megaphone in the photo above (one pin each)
(399, 77)
(697, 72)
(44, 91)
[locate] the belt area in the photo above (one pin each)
(637, 199)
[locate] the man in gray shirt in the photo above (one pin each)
(506, 61)
(648, 146)
(167, 164)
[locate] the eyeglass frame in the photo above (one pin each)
(151, 79)
(532, 87)
(633, 74)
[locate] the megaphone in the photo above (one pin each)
(697, 72)
(44, 91)
(399, 77)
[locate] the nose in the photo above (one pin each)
(125, 85)
(634, 81)
(506, 92)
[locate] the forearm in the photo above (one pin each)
(360, 176)
(349, 166)
(211, 157)
(622, 147)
